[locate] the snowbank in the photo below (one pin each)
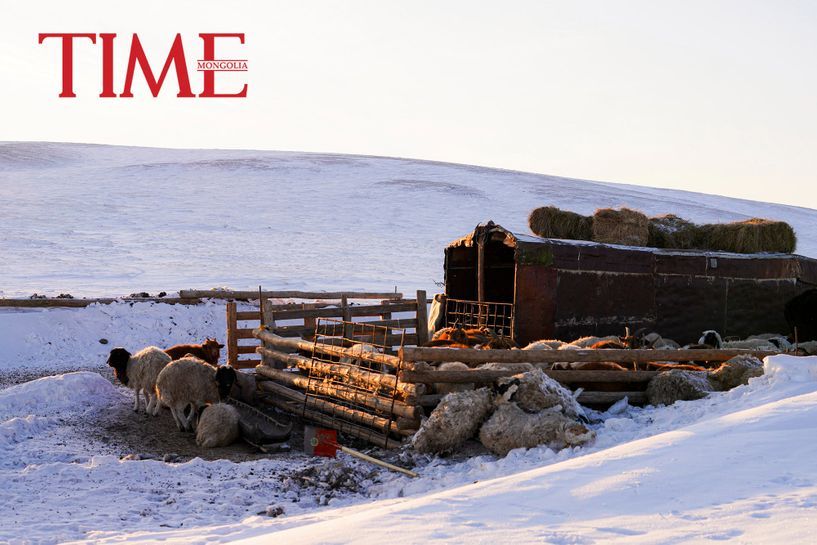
(56, 395)
(782, 368)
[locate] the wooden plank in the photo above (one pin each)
(252, 315)
(80, 303)
(486, 375)
(473, 356)
(422, 318)
(229, 294)
(337, 312)
(232, 341)
(365, 310)
(244, 334)
(346, 393)
(244, 349)
(297, 344)
(391, 340)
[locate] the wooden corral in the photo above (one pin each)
(299, 319)
(565, 289)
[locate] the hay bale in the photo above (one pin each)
(624, 226)
(551, 222)
(510, 428)
(455, 420)
(748, 237)
(678, 385)
(449, 387)
(671, 231)
(534, 391)
(737, 371)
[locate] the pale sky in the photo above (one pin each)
(712, 96)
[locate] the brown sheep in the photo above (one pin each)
(208, 351)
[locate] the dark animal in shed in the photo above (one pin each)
(801, 315)
(208, 351)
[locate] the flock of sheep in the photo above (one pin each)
(188, 380)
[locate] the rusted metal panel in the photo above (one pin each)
(688, 305)
(754, 307)
(603, 303)
(807, 272)
(682, 264)
(535, 303)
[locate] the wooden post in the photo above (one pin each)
(481, 270)
(232, 337)
(346, 315)
(422, 318)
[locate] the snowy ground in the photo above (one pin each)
(105, 220)
(77, 464)
(738, 465)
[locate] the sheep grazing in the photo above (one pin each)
(737, 371)
(139, 372)
(509, 428)
(218, 426)
(677, 385)
(446, 387)
(455, 420)
(208, 351)
(190, 383)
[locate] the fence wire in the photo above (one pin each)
(495, 316)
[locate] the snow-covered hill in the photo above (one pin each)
(105, 220)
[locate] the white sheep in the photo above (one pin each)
(545, 344)
(587, 342)
(218, 426)
(139, 372)
(192, 383)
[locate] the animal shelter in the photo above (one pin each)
(531, 288)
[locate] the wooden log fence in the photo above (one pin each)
(474, 357)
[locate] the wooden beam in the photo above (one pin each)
(229, 294)
(349, 373)
(80, 303)
(422, 318)
(473, 356)
(319, 386)
(339, 351)
(490, 375)
(333, 409)
(232, 341)
(344, 427)
(586, 397)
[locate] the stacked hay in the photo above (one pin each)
(678, 385)
(510, 428)
(455, 420)
(737, 371)
(671, 231)
(624, 226)
(748, 237)
(550, 222)
(633, 228)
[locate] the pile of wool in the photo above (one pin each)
(623, 226)
(678, 385)
(510, 428)
(534, 391)
(737, 371)
(455, 420)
